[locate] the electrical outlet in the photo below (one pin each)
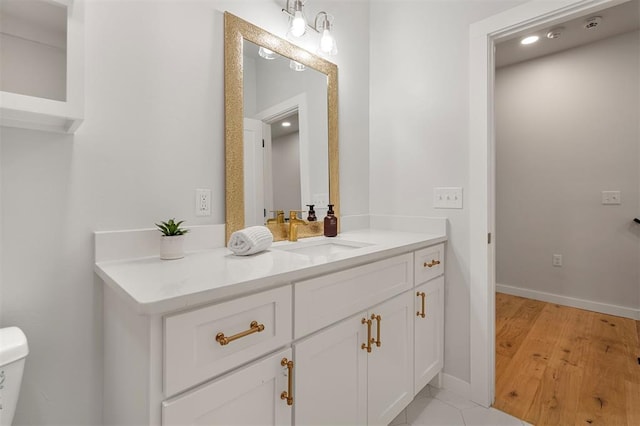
(557, 260)
(611, 197)
(203, 202)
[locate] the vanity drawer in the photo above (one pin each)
(429, 263)
(193, 353)
(327, 299)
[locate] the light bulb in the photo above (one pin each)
(298, 24)
(266, 53)
(327, 43)
(296, 66)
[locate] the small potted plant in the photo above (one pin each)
(172, 240)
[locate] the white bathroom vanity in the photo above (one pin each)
(339, 330)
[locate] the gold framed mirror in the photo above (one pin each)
(237, 32)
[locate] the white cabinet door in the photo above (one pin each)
(429, 332)
(390, 365)
(250, 396)
(331, 376)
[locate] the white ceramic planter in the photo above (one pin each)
(172, 247)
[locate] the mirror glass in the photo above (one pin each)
(286, 149)
(265, 85)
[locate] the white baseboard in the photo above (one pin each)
(455, 385)
(604, 308)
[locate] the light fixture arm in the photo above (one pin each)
(325, 22)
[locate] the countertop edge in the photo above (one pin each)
(233, 290)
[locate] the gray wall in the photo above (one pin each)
(567, 129)
(153, 132)
(286, 176)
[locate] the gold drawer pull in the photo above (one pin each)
(254, 328)
(432, 264)
(423, 295)
(288, 394)
(377, 340)
(370, 340)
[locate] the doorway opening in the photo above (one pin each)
(532, 16)
(276, 158)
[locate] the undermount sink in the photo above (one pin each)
(321, 247)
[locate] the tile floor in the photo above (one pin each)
(439, 407)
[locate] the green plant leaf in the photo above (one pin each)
(171, 228)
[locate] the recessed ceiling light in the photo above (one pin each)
(530, 39)
(286, 124)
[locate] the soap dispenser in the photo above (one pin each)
(311, 217)
(330, 223)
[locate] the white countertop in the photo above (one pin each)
(153, 286)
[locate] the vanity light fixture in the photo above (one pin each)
(266, 53)
(322, 24)
(529, 39)
(296, 66)
(297, 21)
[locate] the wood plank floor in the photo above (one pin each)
(557, 365)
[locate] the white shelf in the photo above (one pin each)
(39, 113)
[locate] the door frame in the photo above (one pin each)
(483, 35)
(274, 113)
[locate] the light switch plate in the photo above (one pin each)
(447, 198)
(611, 197)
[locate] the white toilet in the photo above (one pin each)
(13, 351)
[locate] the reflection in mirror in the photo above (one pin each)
(285, 135)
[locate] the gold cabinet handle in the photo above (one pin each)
(423, 295)
(370, 340)
(431, 264)
(377, 340)
(254, 327)
(288, 394)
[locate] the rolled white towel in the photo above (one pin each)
(251, 240)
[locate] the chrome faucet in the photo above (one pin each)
(294, 221)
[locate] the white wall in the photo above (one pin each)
(567, 129)
(419, 131)
(153, 132)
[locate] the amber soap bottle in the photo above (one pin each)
(330, 223)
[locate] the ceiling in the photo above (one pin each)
(277, 130)
(616, 20)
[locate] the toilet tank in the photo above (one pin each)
(13, 350)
